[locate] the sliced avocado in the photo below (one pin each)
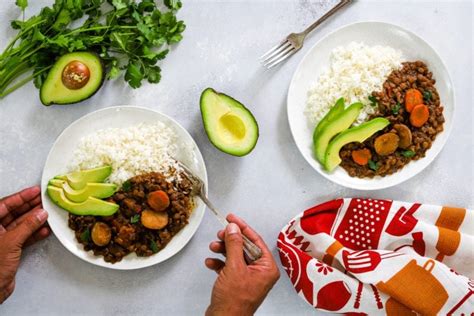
(97, 190)
(337, 108)
(230, 126)
(57, 182)
(355, 134)
(91, 206)
(339, 123)
(74, 77)
(79, 179)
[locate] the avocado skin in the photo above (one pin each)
(206, 124)
(102, 66)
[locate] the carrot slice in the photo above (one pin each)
(158, 200)
(361, 156)
(413, 97)
(419, 115)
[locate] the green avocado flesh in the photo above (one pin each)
(91, 206)
(97, 190)
(355, 134)
(333, 112)
(79, 179)
(331, 128)
(55, 89)
(230, 126)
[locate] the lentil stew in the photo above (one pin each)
(413, 127)
(126, 231)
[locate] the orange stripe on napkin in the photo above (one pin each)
(331, 252)
(448, 222)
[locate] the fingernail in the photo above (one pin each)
(35, 189)
(232, 229)
(41, 215)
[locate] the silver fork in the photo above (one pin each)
(251, 251)
(293, 42)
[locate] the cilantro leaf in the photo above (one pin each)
(154, 74)
(134, 74)
(408, 153)
(373, 100)
(173, 4)
(135, 218)
(22, 4)
(114, 70)
(86, 235)
(119, 4)
(153, 246)
(373, 165)
(396, 108)
(427, 95)
(126, 186)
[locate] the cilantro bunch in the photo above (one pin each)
(130, 36)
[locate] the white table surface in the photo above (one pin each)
(220, 49)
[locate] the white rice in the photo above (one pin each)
(354, 72)
(132, 151)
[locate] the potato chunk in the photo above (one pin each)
(101, 234)
(154, 220)
(386, 144)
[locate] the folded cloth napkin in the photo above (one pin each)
(366, 256)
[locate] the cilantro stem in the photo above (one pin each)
(23, 82)
(20, 35)
(98, 28)
(16, 72)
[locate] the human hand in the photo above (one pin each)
(239, 288)
(21, 224)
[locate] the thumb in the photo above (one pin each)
(234, 245)
(31, 223)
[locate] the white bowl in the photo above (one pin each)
(317, 58)
(60, 156)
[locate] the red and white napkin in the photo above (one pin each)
(365, 256)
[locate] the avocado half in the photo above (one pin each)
(230, 126)
(74, 77)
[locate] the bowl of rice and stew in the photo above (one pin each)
(370, 105)
(115, 194)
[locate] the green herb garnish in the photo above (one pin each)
(396, 108)
(135, 218)
(129, 36)
(373, 100)
(408, 153)
(153, 246)
(427, 95)
(373, 165)
(86, 235)
(126, 186)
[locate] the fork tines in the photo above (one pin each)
(277, 54)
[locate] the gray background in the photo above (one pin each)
(222, 43)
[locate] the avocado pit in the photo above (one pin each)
(75, 75)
